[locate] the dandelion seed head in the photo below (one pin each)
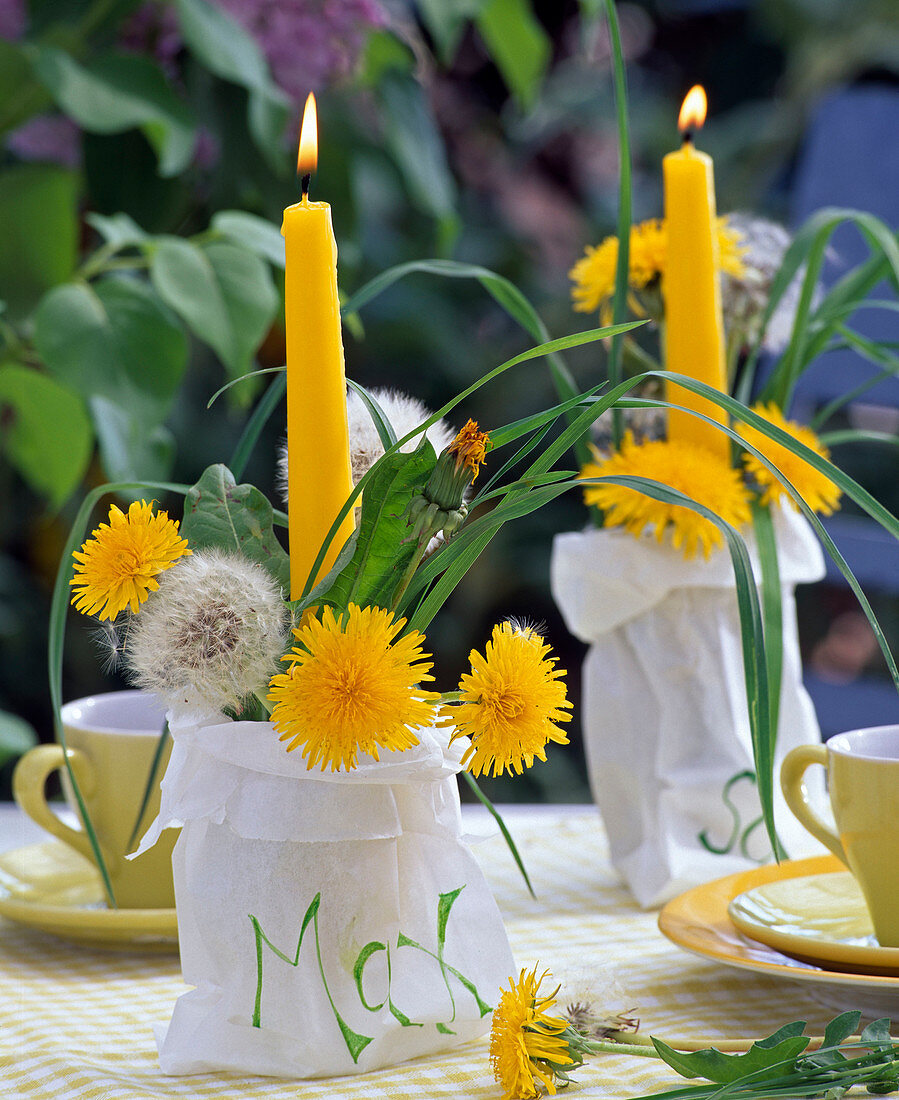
(744, 295)
(211, 635)
(404, 414)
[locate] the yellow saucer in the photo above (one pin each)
(52, 888)
(820, 919)
(698, 922)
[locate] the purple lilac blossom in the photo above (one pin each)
(52, 138)
(12, 19)
(308, 43)
(153, 29)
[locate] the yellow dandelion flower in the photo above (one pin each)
(692, 470)
(526, 1043)
(510, 702)
(815, 488)
(351, 688)
(470, 448)
(118, 565)
(594, 274)
(732, 248)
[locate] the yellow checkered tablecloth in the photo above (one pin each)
(77, 1021)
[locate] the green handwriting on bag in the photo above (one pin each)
(739, 833)
(355, 1042)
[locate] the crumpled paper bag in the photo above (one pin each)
(666, 727)
(332, 923)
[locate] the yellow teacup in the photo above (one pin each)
(111, 742)
(863, 778)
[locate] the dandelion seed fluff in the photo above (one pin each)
(744, 297)
(211, 635)
(404, 413)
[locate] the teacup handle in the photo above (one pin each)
(796, 795)
(29, 780)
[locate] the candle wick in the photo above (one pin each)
(688, 137)
(305, 184)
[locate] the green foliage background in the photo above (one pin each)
(139, 279)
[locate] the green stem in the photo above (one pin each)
(96, 262)
(485, 801)
(639, 356)
(264, 703)
(407, 576)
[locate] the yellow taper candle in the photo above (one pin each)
(318, 455)
(694, 329)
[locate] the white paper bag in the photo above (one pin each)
(331, 923)
(664, 713)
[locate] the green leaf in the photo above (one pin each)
(118, 92)
(230, 52)
(764, 1059)
(837, 1031)
(21, 95)
(253, 429)
(414, 139)
(16, 736)
(224, 293)
(38, 233)
(547, 349)
(384, 546)
(46, 432)
(446, 21)
(518, 44)
(113, 339)
(129, 446)
(223, 46)
(219, 514)
(267, 118)
(251, 232)
(878, 1031)
(383, 52)
(118, 230)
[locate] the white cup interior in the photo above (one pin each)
(874, 743)
(116, 712)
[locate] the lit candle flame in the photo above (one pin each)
(307, 157)
(693, 111)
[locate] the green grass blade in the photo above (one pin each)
(384, 428)
(500, 437)
(250, 435)
(852, 489)
(851, 435)
(236, 381)
(575, 340)
(56, 634)
(772, 622)
(497, 817)
(502, 290)
(523, 451)
(809, 247)
(619, 299)
(150, 785)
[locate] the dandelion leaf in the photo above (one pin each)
(220, 514)
(766, 1058)
(384, 545)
